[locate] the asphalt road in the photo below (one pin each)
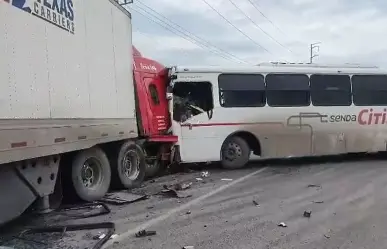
(347, 200)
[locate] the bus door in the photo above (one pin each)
(192, 109)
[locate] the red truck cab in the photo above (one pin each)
(152, 104)
(153, 117)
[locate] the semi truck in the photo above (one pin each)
(81, 111)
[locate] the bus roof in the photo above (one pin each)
(283, 68)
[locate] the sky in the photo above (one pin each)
(255, 31)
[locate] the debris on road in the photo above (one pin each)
(122, 198)
(188, 212)
(182, 186)
(110, 226)
(188, 247)
(318, 202)
(255, 203)
(205, 174)
(172, 193)
(307, 213)
(199, 179)
(314, 186)
(282, 224)
(144, 233)
(78, 210)
(328, 234)
(99, 237)
(226, 179)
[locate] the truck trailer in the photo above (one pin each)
(79, 111)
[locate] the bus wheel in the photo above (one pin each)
(235, 153)
(131, 166)
(91, 174)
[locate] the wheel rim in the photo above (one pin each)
(232, 151)
(91, 173)
(130, 165)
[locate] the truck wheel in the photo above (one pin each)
(91, 174)
(131, 166)
(235, 153)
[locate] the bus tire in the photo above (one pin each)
(235, 153)
(91, 174)
(130, 168)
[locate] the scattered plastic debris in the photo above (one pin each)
(102, 239)
(282, 224)
(307, 213)
(122, 198)
(172, 193)
(182, 186)
(199, 179)
(327, 235)
(78, 210)
(144, 233)
(101, 236)
(226, 179)
(205, 174)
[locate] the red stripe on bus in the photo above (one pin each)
(217, 124)
(229, 124)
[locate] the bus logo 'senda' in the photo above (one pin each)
(57, 12)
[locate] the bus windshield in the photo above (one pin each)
(191, 99)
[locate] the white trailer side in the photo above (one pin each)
(65, 85)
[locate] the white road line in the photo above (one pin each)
(171, 212)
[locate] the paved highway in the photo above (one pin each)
(347, 200)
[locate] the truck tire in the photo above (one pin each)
(130, 167)
(235, 153)
(91, 174)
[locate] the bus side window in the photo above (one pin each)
(154, 94)
(241, 90)
(287, 90)
(330, 90)
(369, 90)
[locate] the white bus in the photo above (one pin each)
(277, 111)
